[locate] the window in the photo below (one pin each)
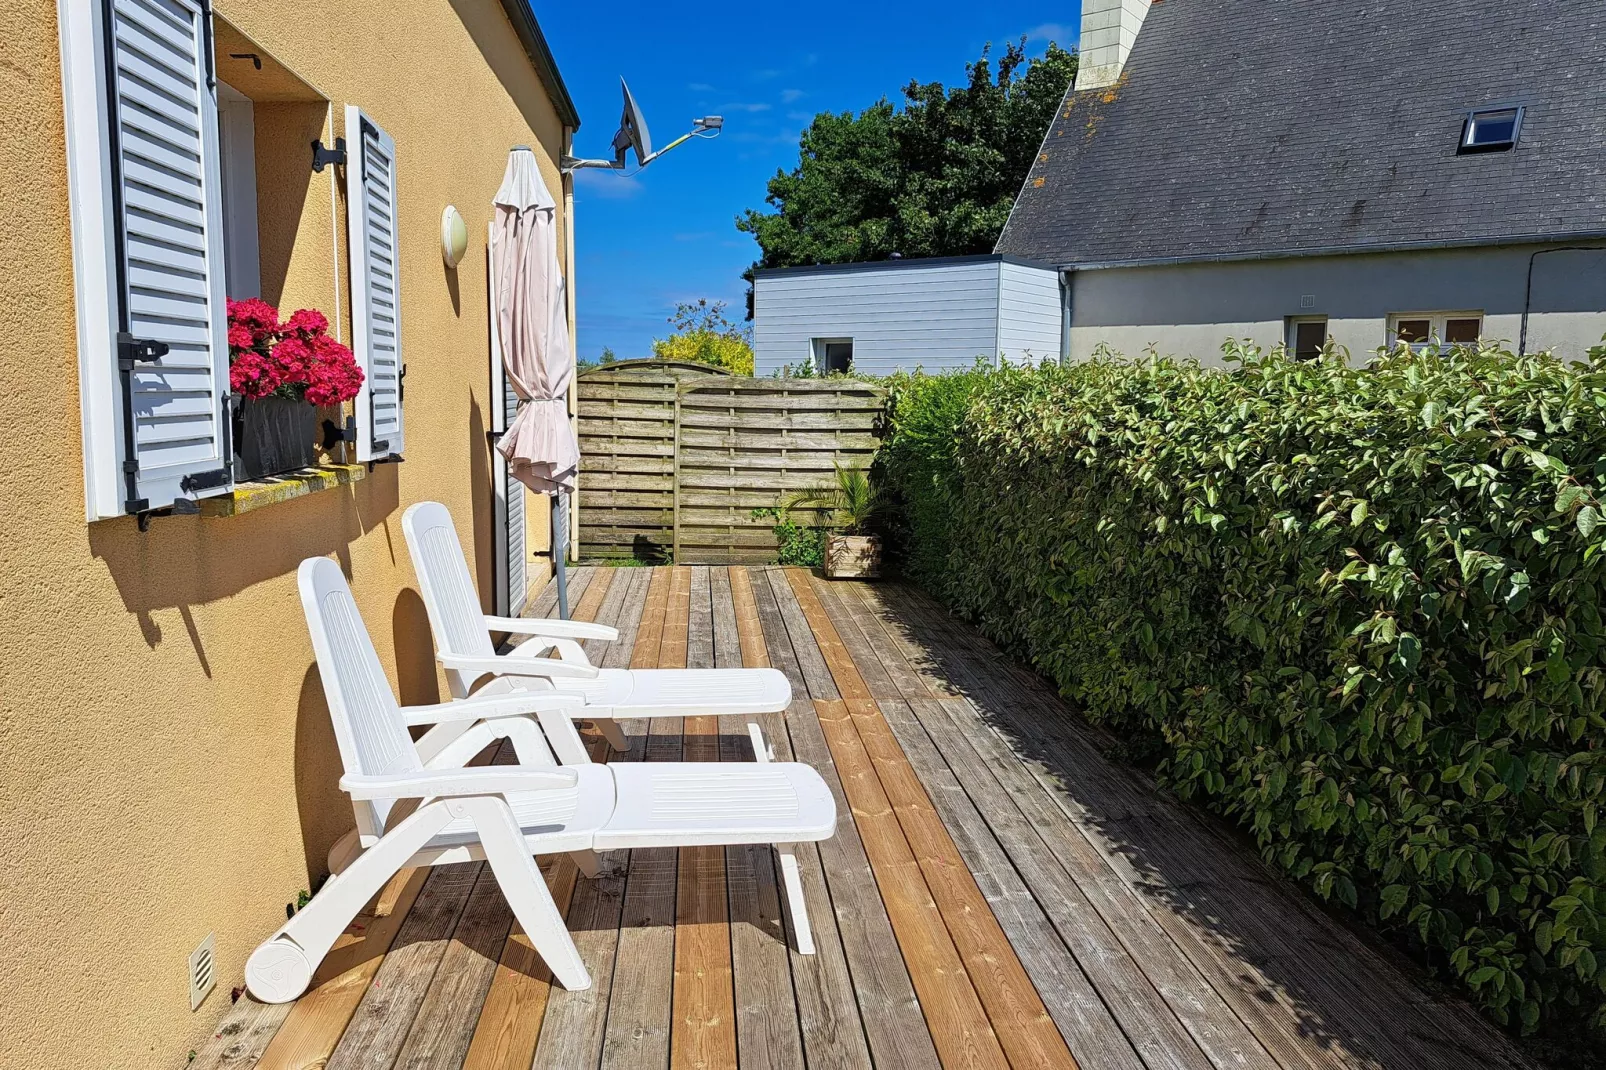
(1306, 336)
(833, 354)
(1421, 330)
(1491, 130)
(242, 261)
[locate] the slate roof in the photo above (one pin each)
(1246, 128)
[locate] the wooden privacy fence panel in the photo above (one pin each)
(674, 463)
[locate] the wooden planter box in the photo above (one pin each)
(850, 557)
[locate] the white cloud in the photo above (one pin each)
(756, 106)
(1057, 32)
(789, 95)
(608, 185)
(700, 87)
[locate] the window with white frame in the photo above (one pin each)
(1306, 336)
(162, 176)
(832, 354)
(1423, 330)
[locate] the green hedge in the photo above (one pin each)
(1356, 609)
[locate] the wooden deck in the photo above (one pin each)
(998, 893)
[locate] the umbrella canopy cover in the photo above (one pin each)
(533, 328)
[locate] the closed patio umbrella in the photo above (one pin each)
(532, 322)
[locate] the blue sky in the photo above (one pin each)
(668, 234)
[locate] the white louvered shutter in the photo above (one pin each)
(513, 570)
(375, 293)
(168, 231)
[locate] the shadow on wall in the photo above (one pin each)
(183, 562)
(493, 35)
(283, 132)
(324, 809)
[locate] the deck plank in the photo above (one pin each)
(1011, 1002)
(379, 1026)
(768, 1031)
(571, 1034)
(703, 1034)
(444, 1024)
(838, 872)
(978, 820)
(955, 1015)
(640, 1006)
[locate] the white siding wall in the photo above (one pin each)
(905, 314)
(1028, 313)
(1189, 310)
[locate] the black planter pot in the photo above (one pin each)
(274, 435)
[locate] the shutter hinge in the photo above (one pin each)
(334, 434)
(322, 157)
(204, 480)
(132, 351)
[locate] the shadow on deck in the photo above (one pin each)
(998, 893)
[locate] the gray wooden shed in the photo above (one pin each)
(941, 312)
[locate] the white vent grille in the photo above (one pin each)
(203, 976)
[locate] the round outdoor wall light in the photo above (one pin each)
(454, 236)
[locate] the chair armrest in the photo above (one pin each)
(475, 780)
(498, 665)
(567, 650)
(558, 629)
(518, 704)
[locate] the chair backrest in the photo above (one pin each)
(450, 597)
(367, 720)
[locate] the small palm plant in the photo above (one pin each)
(852, 501)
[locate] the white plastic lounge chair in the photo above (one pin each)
(464, 649)
(503, 814)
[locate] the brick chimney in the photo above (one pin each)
(1108, 29)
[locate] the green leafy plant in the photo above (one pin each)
(1355, 609)
(795, 544)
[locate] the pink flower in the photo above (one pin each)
(306, 322)
(252, 375)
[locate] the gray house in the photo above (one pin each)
(938, 312)
(1369, 171)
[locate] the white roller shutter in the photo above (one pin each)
(171, 343)
(375, 292)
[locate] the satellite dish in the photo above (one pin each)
(632, 131)
(633, 136)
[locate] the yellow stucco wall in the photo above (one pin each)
(167, 768)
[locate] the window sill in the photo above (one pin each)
(258, 494)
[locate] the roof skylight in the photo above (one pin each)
(1491, 130)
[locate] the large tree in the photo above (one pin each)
(935, 177)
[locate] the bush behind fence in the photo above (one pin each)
(1356, 609)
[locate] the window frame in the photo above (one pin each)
(242, 246)
(1469, 124)
(817, 349)
(1291, 331)
(1437, 327)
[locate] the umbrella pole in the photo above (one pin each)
(560, 551)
